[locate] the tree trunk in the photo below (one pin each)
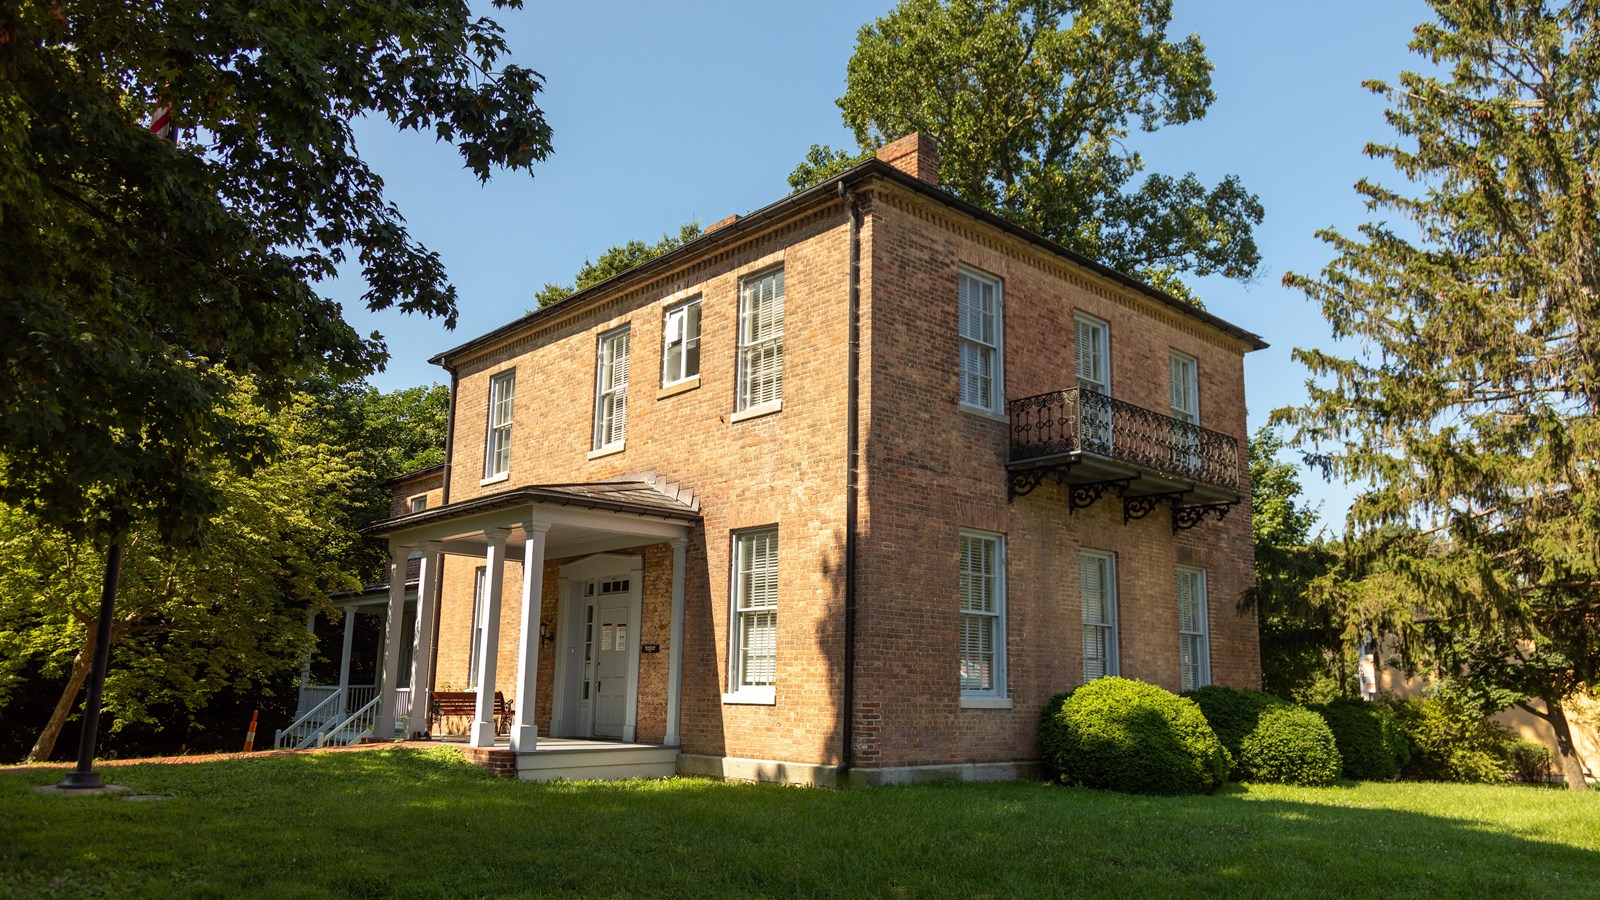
(1571, 763)
(46, 744)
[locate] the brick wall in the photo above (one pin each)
(933, 468)
(784, 469)
(429, 487)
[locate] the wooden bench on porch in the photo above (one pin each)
(465, 703)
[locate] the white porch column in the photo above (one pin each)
(524, 734)
(680, 547)
(344, 655)
(422, 640)
(494, 583)
(391, 640)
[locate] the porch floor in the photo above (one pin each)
(570, 759)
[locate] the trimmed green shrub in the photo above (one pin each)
(1530, 762)
(1124, 735)
(1372, 745)
(1290, 745)
(1450, 740)
(1232, 712)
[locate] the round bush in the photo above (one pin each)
(1124, 735)
(1530, 761)
(1290, 745)
(1370, 742)
(1232, 712)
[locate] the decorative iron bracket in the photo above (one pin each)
(1084, 496)
(1143, 505)
(1022, 481)
(1189, 516)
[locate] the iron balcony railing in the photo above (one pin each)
(1078, 420)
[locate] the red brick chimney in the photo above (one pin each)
(915, 154)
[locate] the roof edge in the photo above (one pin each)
(818, 195)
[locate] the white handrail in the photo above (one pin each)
(298, 732)
(366, 717)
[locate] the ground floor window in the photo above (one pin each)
(1194, 652)
(755, 609)
(983, 637)
(1098, 577)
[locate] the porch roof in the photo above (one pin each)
(586, 516)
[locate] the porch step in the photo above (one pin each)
(602, 763)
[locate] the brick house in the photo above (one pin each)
(845, 488)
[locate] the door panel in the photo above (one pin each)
(611, 654)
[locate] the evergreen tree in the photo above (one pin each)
(1473, 416)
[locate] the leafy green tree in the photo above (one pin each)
(385, 434)
(138, 270)
(1474, 418)
(1031, 103)
(614, 261)
(1302, 627)
(191, 621)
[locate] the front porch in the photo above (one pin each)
(569, 759)
(577, 553)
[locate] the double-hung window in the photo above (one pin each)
(1098, 574)
(754, 641)
(1092, 342)
(1194, 652)
(611, 391)
(981, 331)
(983, 623)
(680, 343)
(1184, 382)
(480, 583)
(497, 453)
(761, 340)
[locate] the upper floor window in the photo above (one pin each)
(1185, 383)
(761, 340)
(611, 390)
(1098, 579)
(1194, 651)
(983, 637)
(497, 454)
(680, 343)
(755, 609)
(1093, 342)
(981, 384)
(418, 504)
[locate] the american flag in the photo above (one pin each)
(161, 123)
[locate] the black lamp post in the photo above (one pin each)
(83, 776)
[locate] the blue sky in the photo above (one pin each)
(668, 113)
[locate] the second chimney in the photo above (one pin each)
(915, 154)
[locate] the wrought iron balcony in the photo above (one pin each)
(1084, 438)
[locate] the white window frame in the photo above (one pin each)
(975, 344)
(1106, 628)
(993, 619)
(1098, 345)
(739, 691)
(497, 437)
(752, 345)
(1199, 632)
(1184, 396)
(610, 392)
(418, 504)
(1190, 410)
(676, 332)
(480, 586)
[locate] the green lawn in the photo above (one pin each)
(405, 823)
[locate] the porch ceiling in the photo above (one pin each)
(582, 518)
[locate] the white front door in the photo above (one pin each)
(608, 638)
